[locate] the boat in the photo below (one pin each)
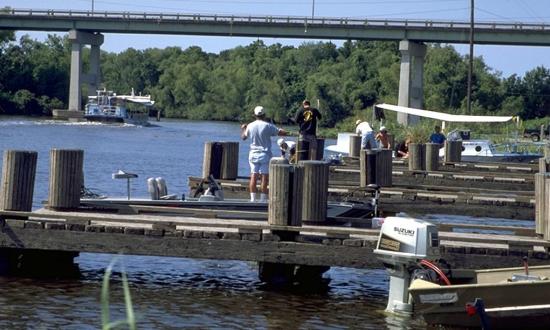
(108, 107)
(503, 298)
(481, 150)
(510, 299)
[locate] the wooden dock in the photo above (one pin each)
(176, 235)
(417, 200)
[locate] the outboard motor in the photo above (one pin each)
(402, 244)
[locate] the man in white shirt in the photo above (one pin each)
(367, 134)
(259, 132)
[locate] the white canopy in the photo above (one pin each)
(445, 116)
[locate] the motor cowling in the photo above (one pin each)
(402, 243)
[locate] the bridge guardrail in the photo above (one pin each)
(307, 21)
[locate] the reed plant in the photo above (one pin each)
(130, 320)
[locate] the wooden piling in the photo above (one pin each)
(453, 151)
(367, 166)
(544, 165)
(354, 145)
(211, 163)
(320, 151)
(432, 156)
(66, 168)
(285, 194)
(18, 174)
(384, 166)
(230, 160)
(315, 190)
(391, 141)
(302, 150)
(417, 156)
(547, 150)
(541, 204)
(545, 208)
(221, 159)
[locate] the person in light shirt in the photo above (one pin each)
(288, 149)
(259, 132)
(366, 132)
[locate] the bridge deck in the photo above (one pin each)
(497, 33)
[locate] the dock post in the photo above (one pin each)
(547, 150)
(18, 174)
(544, 165)
(384, 167)
(320, 151)
(453, 151)
(544, 208)
(391, 141)
(66, 178)
(230, 160)
(221, 159)
(432, 156)
(417, 156)
(315, 190)
(302, 150)
(541, 204)
(367, 166)
(354, 145)
(285, 195)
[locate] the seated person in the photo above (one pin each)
(402, 149)
(288, 149)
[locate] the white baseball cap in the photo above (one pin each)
(357, 122)
(383, 128)
(280, 142)
(259, 110)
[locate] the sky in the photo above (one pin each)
(505, 59)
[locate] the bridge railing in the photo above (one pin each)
(307, 21)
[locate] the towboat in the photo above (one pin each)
(506, 298)
(108, 107)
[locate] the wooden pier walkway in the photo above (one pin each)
(431, 199)
(176, 235)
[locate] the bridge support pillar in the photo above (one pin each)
(410, 79)
(92, 78)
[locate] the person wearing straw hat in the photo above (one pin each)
(366, 132)
(259, 132)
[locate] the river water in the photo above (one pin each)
(170, 293)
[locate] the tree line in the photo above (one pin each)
(193, 84)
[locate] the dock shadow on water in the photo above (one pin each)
(169, 293)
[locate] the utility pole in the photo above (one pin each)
(313, 9)
(92, 7)
(471, 64)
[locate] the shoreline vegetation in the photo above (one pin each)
(343, 82)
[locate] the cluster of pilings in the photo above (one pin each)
(16, 194)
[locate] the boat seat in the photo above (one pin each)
(158, 190)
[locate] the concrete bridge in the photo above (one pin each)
(86, 27)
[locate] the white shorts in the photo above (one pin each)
(259, 162)
(259, 168)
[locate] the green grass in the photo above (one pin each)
(130, 320)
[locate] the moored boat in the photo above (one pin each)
(505, 298)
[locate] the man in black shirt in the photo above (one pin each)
(307, 118)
